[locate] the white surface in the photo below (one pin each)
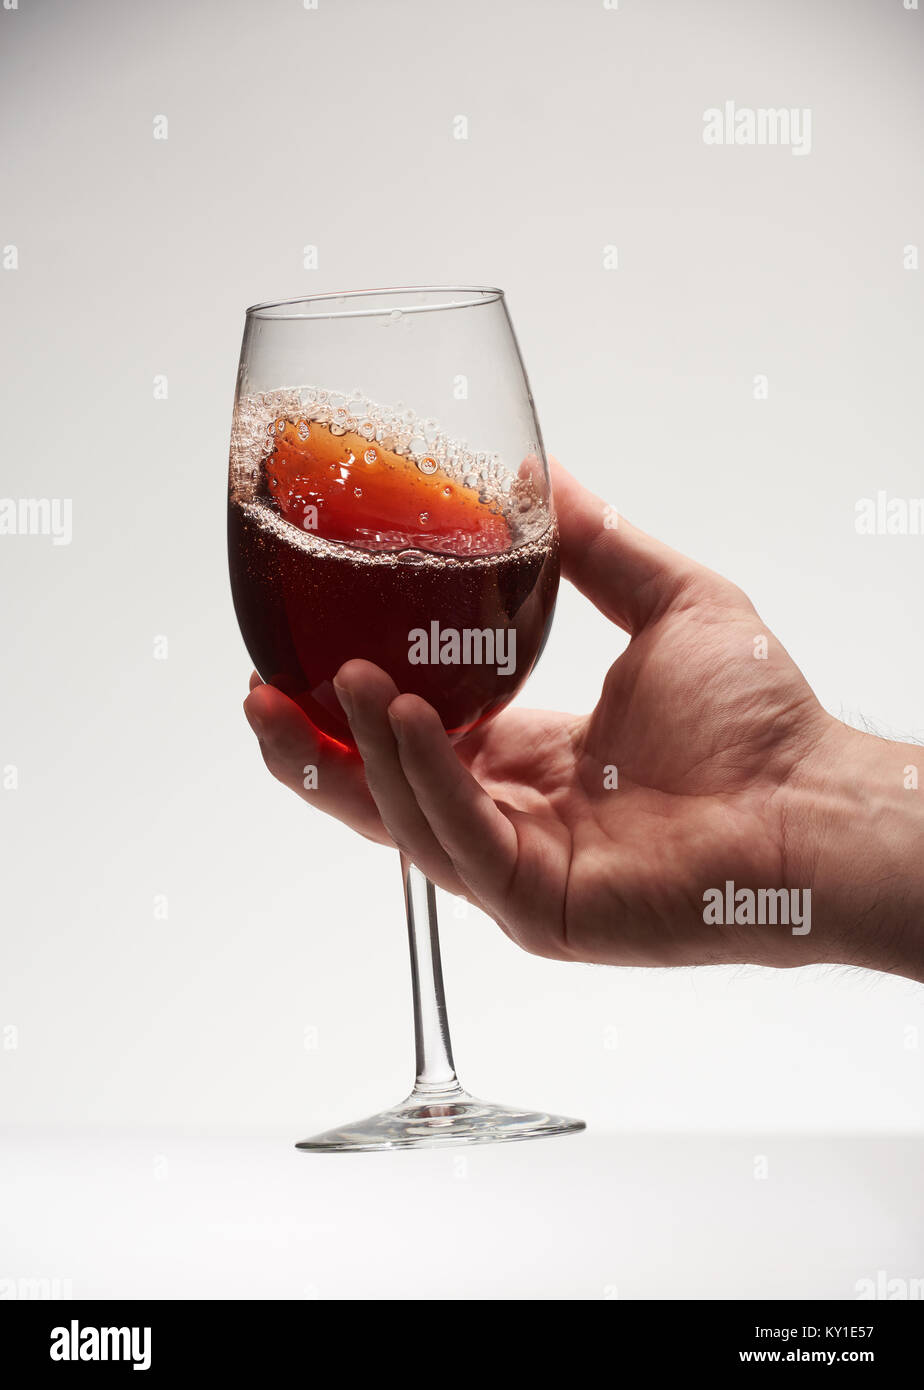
(585, 1217)
(138, 777)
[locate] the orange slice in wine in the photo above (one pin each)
(348, 488)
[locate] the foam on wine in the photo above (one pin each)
(470, 506)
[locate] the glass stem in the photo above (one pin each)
(436, 1074)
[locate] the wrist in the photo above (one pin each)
(854, 836)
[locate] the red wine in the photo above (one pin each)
(342, 547)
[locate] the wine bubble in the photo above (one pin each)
(264, 421)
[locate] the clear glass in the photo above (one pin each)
(388, 483)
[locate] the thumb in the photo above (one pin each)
(625, 573)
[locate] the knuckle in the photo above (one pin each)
(699, 587)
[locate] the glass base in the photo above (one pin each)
(437, 1121)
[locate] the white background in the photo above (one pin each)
(138, 777)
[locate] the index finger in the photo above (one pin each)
(624, 572)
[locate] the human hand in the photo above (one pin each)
(726, 769)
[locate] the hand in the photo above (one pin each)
(726, 768)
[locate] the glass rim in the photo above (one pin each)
(475, 295)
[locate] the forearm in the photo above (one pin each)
(856, 838)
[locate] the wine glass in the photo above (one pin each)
(389, 499)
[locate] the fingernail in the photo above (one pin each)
(345, 701)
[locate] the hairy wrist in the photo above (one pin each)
(854, 835)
